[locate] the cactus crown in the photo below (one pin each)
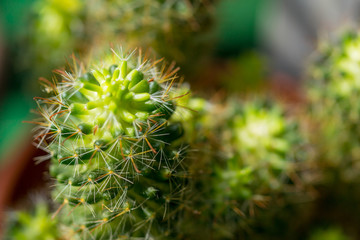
(117, 99)
(113, 147)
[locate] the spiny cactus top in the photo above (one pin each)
(118, 166)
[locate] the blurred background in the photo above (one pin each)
(231, 46)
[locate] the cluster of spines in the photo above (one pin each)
(114, 151)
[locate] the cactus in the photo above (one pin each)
(262, 146)
(116, 154)
(333, 92)
(249, 151)
(38, 224)
(332, 113)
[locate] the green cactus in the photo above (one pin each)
(262, 150)
(116, 154)
(333, 93)
(332, 115)
(249, 151)
(38, 224)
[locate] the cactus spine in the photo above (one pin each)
(116, 154)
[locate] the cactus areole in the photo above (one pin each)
(114, 149)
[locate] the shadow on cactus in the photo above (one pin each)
(117, 156)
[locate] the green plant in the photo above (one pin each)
(332, 116)
(248, 158)
(116, 153)
(333, 92)
(262, 147)
(37, 224)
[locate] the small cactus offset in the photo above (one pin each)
(116, 154)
